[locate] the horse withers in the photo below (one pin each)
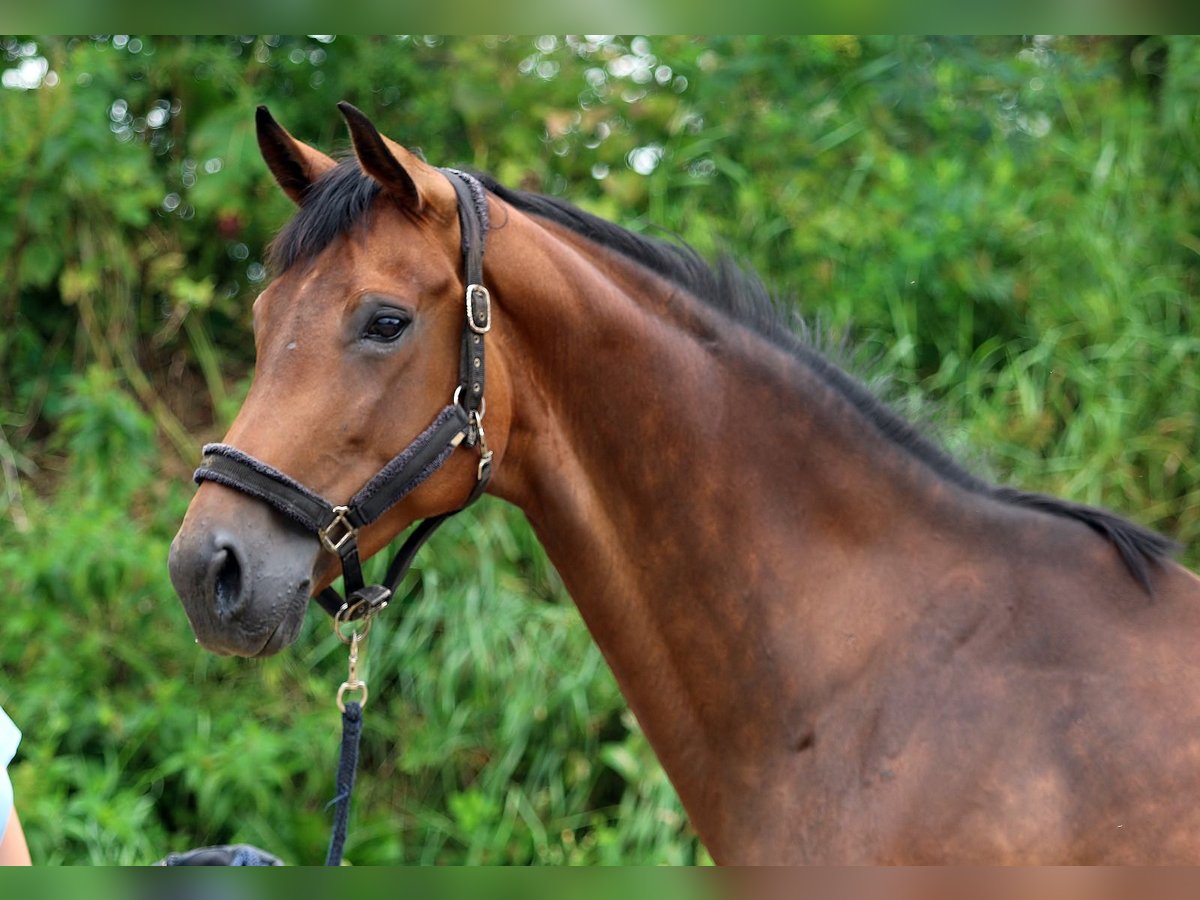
(842, 646)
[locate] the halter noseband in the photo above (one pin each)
(461, 422)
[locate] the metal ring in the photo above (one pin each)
(340, 620)
(352, 686)
(482, 402)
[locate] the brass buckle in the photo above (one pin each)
(353, 682)
(354, 685)
(485, 452)
(339, 519)
(456, 400)
(479, 301)
(373, 599)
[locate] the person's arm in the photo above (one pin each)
(13, 849)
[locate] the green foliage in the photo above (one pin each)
(1009, 227)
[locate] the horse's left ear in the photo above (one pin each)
(401, 173)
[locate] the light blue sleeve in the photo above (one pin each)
(9, 738)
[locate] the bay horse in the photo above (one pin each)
(842, 646)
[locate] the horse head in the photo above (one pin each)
(357, 344)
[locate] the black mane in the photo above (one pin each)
(341, 197)
(330, 207)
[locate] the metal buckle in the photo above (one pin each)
(339, 519)
(353, 682)
(485, 453)
(479, 300)
(457, 401)
(361, 608)
(363, 604)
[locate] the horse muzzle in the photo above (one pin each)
(243, 572)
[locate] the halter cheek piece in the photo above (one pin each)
(461, 422)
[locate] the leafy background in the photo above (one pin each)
(1008, 229)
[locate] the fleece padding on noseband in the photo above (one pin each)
(429, 450)
(254, 477)
(388, 487)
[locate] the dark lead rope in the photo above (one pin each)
(461, 422)
(346, 770)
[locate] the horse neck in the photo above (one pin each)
(723, 518)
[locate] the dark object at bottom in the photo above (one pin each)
(227, 855)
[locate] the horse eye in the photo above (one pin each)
(386, 327)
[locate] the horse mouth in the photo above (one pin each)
(276, 640)
(240, 638)
(287, 629)
(245, 586)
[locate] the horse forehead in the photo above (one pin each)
(341, 270)
(417, 246)
(296, 293)
(386, 250)
(387, 246)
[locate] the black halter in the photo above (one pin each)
(461, 422)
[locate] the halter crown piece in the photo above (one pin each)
(460, 422)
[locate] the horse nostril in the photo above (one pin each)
(227, 586)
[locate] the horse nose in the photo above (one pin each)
(226, 572)
(208, 574)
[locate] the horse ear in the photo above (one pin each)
(399, 171)
(295, 165)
